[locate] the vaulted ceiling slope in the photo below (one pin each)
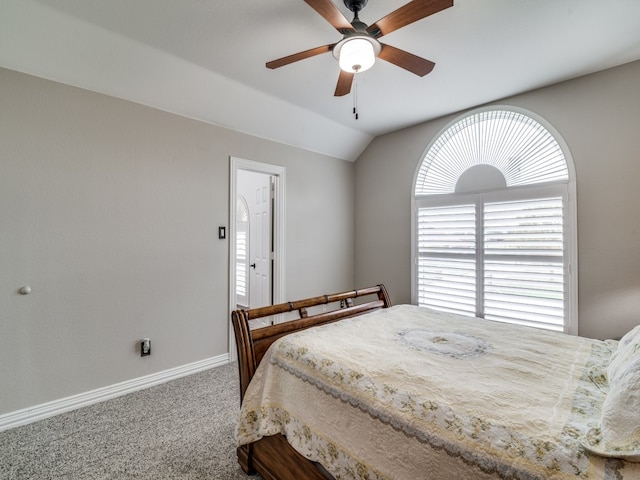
(205, 59)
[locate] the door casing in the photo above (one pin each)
(279, 174)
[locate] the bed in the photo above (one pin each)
(375, 391)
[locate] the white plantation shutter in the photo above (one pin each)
(501, 253)
(242, 252)
(523, 262)
(242, 256)
(520, 147)
(447, 265)
(519, 275)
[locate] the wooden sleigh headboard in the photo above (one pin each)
(272, 456)
(253, 342)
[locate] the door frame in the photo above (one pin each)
(278, 277)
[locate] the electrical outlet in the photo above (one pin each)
(145, 347)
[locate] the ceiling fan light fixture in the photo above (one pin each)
(357, 53)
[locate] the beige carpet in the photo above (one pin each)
(182, 429)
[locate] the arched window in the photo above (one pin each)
(242, 252)
(494, 229)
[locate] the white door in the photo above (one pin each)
(256, 188)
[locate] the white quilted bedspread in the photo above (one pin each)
(409, 393)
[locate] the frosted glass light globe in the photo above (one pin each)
(357, 55)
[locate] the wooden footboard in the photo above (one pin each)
(273, 457)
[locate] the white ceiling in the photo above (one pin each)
(205, 59)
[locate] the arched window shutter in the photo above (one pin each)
(487, 246)
(518, 146)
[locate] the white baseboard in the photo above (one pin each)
(49, 409)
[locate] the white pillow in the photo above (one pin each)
(620, 419)
(618, 434)
(628, 349)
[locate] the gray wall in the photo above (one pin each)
(598, 117)
(109, 211)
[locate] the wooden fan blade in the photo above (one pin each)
(406, 60)
(409, 13)
(281, 62)
(328, 10)
(344, 83)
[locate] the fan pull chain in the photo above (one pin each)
(355, 95)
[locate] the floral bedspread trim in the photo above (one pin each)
(465, 437)
(275, 420)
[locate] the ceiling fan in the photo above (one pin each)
(359, 47)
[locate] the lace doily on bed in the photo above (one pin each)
(452, 344)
